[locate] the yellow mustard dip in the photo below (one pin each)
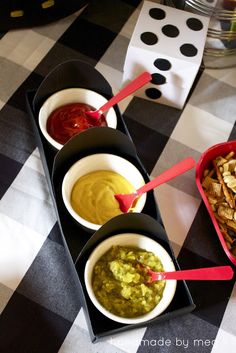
(92, 196)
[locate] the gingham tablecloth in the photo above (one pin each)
(40, 311)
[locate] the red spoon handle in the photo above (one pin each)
(169, 174)
(208, 273)
(137, 83)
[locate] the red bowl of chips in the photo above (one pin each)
(215, 178)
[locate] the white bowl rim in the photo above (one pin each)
(168, 265)
(42, 122)
(95, 156)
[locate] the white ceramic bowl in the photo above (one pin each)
(100, 161)
(72, 95)
(143, 242)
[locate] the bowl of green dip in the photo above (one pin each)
(117, 283)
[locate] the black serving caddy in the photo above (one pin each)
(80, 242)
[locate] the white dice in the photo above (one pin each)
(168, 43)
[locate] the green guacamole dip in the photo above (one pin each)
(121, 284)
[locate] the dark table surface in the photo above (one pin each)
(39, 304)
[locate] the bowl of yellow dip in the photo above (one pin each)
(90, 184)
(116, 281)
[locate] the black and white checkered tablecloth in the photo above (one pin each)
(40, 311)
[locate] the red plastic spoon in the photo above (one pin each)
(126, 200)
(133, 86)
(207, 273)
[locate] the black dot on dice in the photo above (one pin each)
(149, 38)
(195, 24)
(157, 14)
(170, 31)
(158, 79)
(153, 93)
(162, 64)
(188, 50)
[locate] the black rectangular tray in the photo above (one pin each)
(79, 241)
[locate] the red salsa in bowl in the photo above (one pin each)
(71, 119)
(63, 114)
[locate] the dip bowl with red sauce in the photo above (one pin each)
(63, 116)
